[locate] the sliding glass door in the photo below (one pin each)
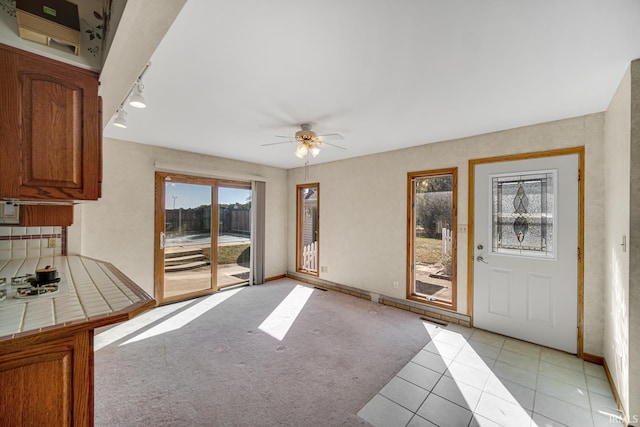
(234, 236)
(187, 239)
(203, 229)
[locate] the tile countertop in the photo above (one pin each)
(96, 292)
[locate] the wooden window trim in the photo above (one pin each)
(299, 189)
(410, 285)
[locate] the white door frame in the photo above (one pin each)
(471, 244)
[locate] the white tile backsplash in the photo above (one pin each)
(18, 231)
(33, 252)
(18, 249)
(29, 248)
(18, 244)
(34, 248)
(45, 252)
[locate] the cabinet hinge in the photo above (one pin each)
(579, 254)
(579, 174)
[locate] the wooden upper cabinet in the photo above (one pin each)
(51, 129)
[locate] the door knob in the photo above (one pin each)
(480, 259)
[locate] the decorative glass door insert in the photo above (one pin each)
(522, 212)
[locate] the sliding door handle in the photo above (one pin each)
(162, 240)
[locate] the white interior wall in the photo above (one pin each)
(363, 208)
(616, 201)
(119, 227)
(634, 249)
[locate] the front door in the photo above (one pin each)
(526, 240)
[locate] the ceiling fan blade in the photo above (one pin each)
(275, 143)
(333, 145)
(330, 136)
(282, 136)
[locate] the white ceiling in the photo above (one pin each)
(387, 74)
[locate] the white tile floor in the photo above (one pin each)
(468, 377)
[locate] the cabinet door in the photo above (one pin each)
(46, 379)
(60, 132)
(37, 390)
(9, 125)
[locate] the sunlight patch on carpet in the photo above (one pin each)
(280, 320)
(187, 316)
(125, 329)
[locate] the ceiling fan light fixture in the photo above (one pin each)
(308, 142)
(301, 151)
(121, 119)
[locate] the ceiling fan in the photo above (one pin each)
(308, 141)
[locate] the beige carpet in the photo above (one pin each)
(206, 362)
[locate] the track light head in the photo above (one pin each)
(121, 119)
(137, 100)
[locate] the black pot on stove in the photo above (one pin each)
(46, 275)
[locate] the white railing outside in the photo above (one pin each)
(446, 241)
(310, 257)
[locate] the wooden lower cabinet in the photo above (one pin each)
(47, 379)
(46, 373)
